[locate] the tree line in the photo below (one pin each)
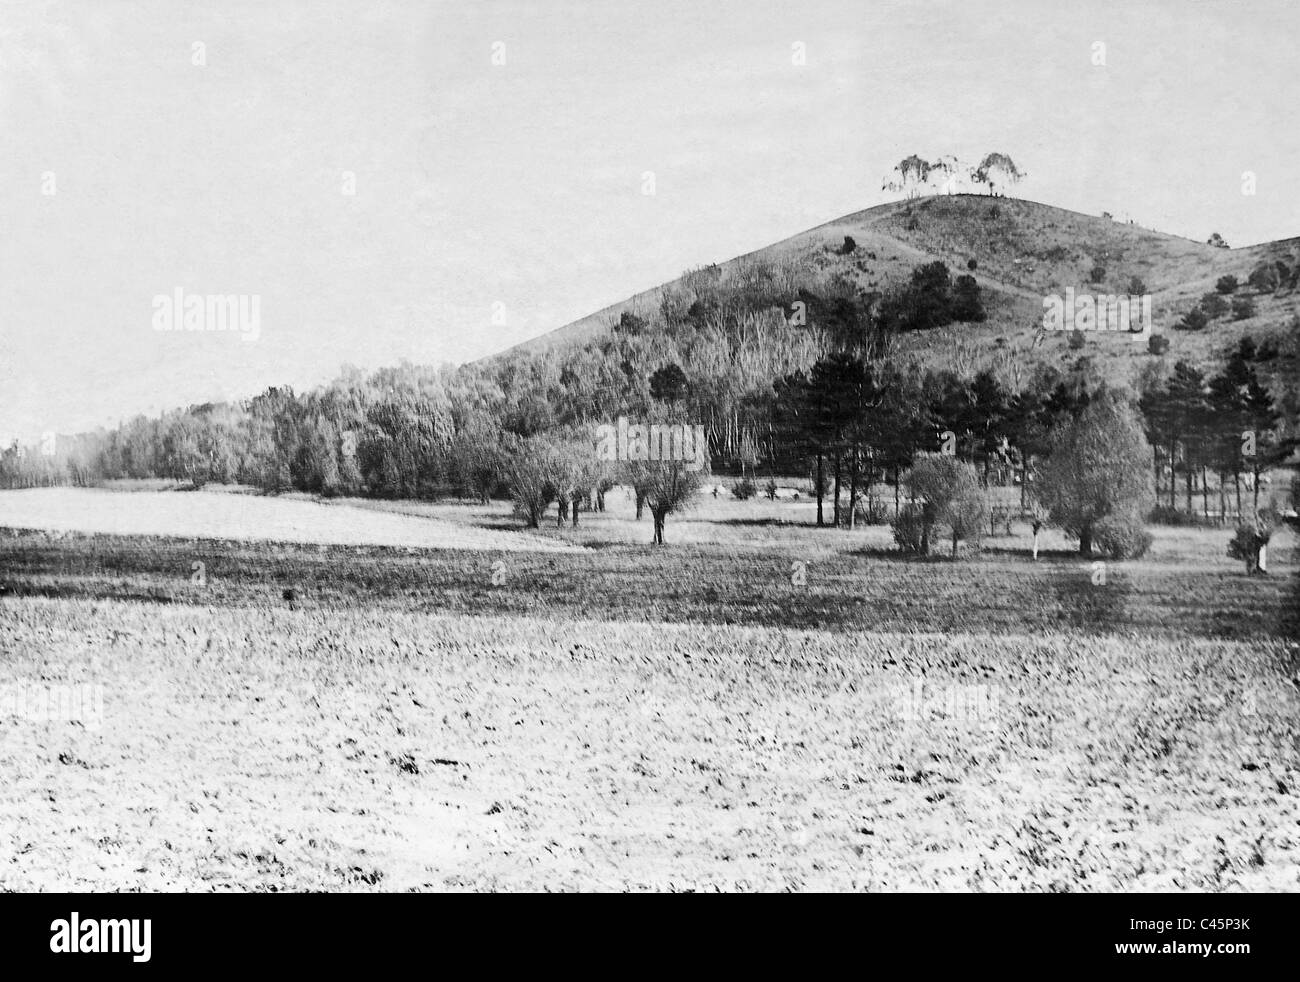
(790, 372)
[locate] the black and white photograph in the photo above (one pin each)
(607, 446)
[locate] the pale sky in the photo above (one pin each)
(521, 184)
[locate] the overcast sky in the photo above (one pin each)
(521, 183)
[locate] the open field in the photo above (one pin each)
(728, 562)
(272, 750)
(218, 515)
(621, 717)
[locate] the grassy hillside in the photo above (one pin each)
(1023, 250)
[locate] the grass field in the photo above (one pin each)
(306, 716)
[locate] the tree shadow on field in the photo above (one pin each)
(937, 557)
(1044, 555)
(761, 523)
(1091, 594)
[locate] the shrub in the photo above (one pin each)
(744, 489)
(1097, 274)
(967, 306)
(630, 323)
(1193, 320)
(1227, 284)
(1121, 538)
(1264, 278)
(1243, 308)
(1136, 287)
(1213, 306)
(1077, 340)
(871, 511)
(925, 301)
(1157, 344)
(909, 528)
(1217, 241)
(1247, 540)
(972, 265)
(849, 246)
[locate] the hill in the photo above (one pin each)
(1022, 251)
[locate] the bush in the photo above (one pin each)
(972, 265)
(1121, 538)
(967, 306)
(1227, 284)
(1097, 274)
(871, 511)
(1136, 287)
(1213, 306)
(1247, 540)
(744, 489)
(1269, 276)
(909, 529)
(1193, 320)
(630, 323)
(1157, 344)
(1244, 542)
(1243, 308)
(1077, 340)
(925, 301)
(849, 246)
(669, 384)
(1217, 241)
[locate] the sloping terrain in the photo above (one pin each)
(1023, 251)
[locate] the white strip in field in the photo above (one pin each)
(205, 515)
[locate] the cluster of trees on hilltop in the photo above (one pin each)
(996, 172)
